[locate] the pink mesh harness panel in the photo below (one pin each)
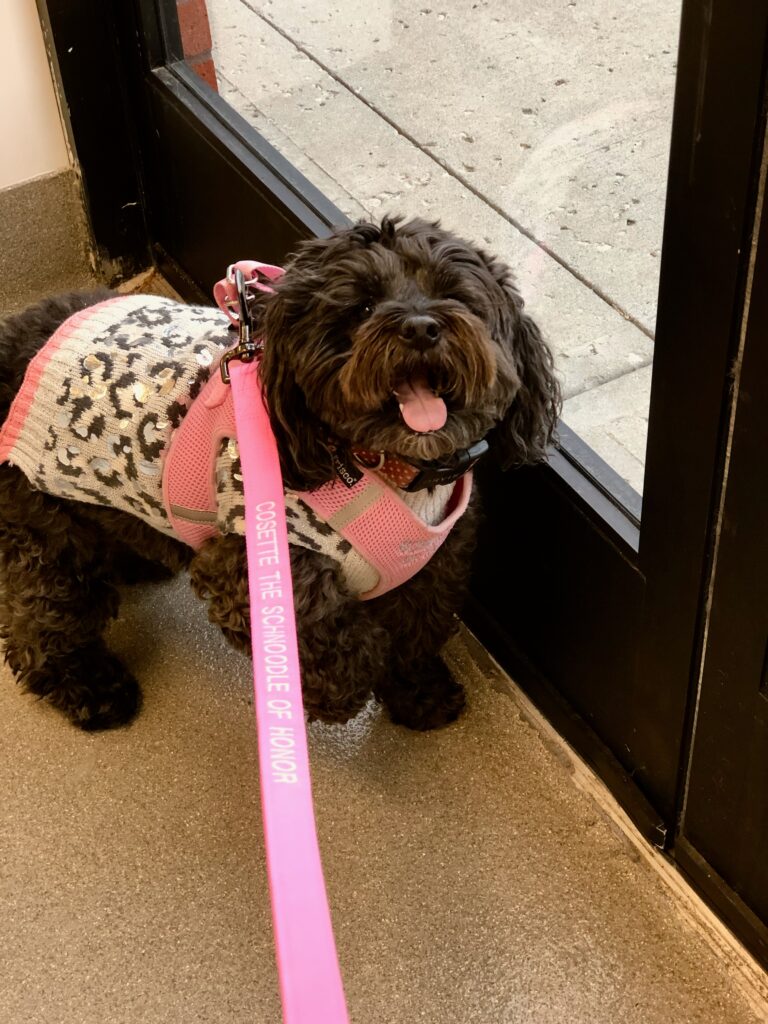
(382, 528)
(189, 476)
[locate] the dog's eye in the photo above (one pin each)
(367, 308)
(473, 303)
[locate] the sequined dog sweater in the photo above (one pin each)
(101, 406)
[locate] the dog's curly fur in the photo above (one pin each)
(334, 353)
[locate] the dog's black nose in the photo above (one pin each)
(420, 331)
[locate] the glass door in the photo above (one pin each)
(542, 132)
(611, 159)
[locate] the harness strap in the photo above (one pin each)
(310, 980)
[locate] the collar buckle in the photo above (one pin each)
(435, 474)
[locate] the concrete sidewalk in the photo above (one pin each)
(540, 132)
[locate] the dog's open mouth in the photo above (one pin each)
(421, 408)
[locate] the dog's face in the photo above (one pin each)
(401, 338)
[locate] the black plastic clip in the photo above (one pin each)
(435, 474)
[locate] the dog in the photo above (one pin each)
(386, 343)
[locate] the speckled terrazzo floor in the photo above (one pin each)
(470, 880)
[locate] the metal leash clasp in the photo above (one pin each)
(247, 349)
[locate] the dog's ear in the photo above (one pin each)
(529, 425)
(305, 457)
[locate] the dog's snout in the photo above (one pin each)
(420, 331)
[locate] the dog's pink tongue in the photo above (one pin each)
(421, 408)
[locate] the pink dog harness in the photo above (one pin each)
(378, 523)
(370, 514)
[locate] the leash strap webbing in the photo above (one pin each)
(310, 980)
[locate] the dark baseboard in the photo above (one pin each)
(568, 723)
(732, 910)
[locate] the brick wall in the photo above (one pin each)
(196, 39)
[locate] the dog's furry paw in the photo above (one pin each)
(90, 686)
(428, 697)
(114, 701)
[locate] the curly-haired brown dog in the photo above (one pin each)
(356, 316)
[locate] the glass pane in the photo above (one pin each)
(540, 131)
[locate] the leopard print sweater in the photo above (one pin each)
(99, 403)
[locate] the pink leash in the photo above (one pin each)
(310, 981)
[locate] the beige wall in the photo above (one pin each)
(31, 135)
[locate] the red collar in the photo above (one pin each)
(428, 475)
(391, 468)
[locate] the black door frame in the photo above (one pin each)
(724, 816)
(718, 134)
(140, 120)
(121, 72)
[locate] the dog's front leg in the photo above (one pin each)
(343, 653)
(418, 689)
(219, 576)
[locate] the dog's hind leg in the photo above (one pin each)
(54, 605)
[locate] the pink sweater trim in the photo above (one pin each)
(17, 415)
